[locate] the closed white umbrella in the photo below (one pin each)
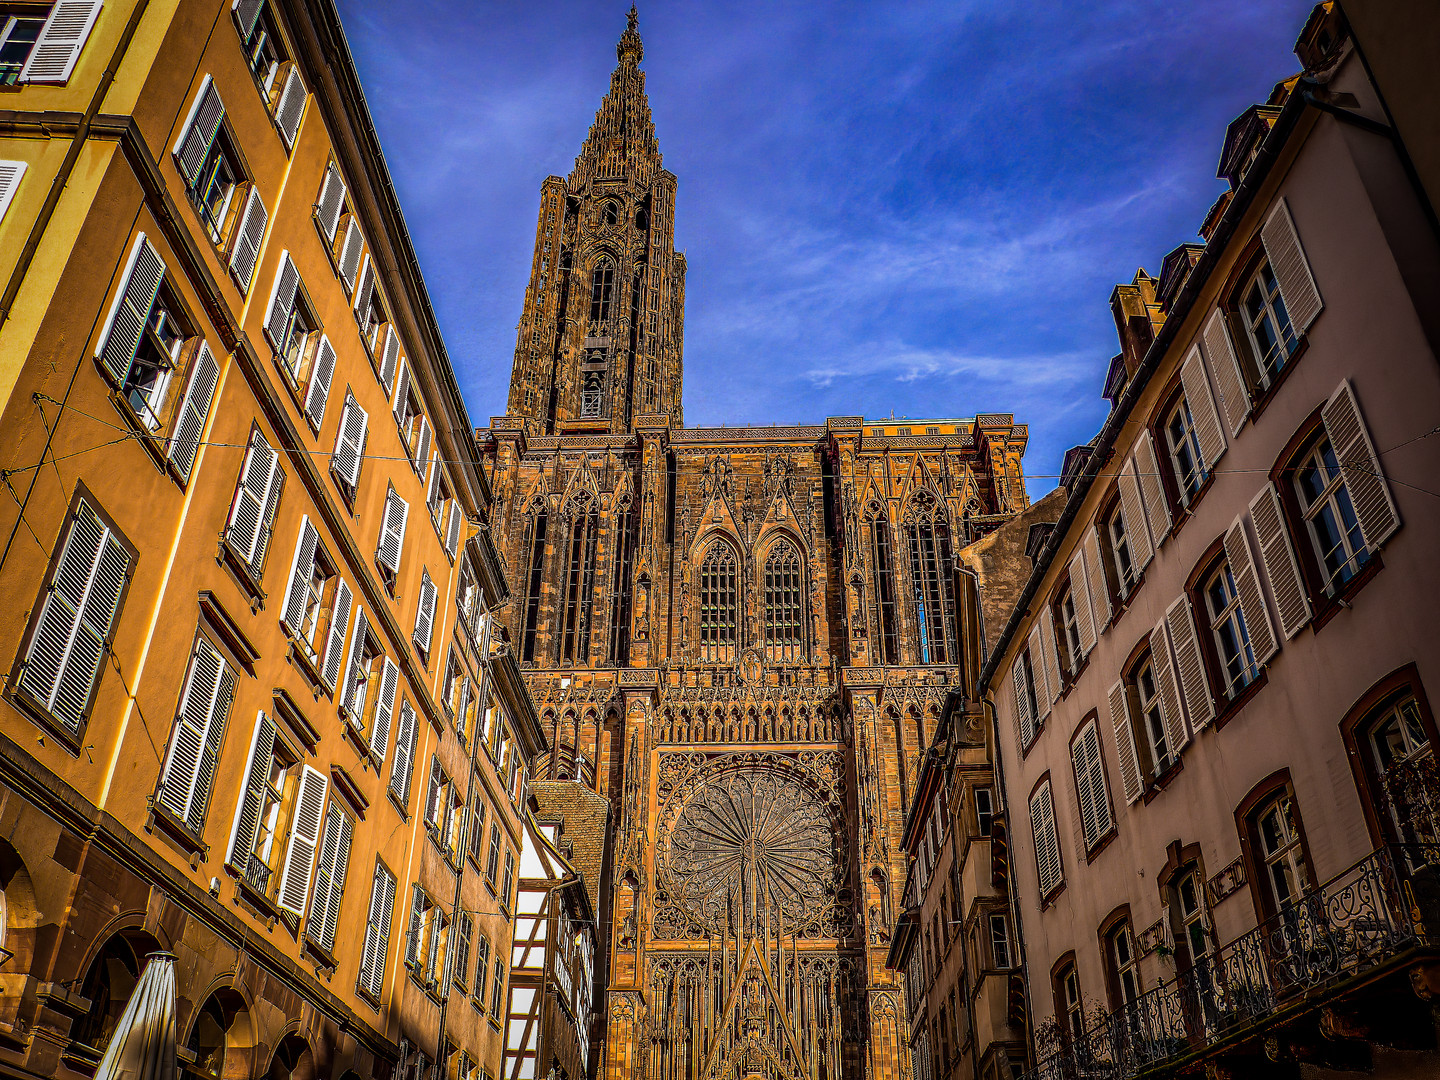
(143, 1046)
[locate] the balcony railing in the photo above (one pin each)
(1351, 925)
(257, 875)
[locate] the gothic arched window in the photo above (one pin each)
(579, 595)
(784, 603)
(719, 603)
(932, 600)
(534, 576)
(610, 214)
(887, 642)
(620, 589)
(602, 287)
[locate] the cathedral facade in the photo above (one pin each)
(742, 637)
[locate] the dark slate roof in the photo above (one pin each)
(584, 832)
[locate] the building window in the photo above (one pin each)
(317, 597)
(1069, 1005)
(298, 340)
(1046, 839)
(359, 691)
(262, 818)
(1275, 832)
(1330, 519)
(984, 811)
(19, 28)
(372, 319)
(1124, 964)
(482, 970)
(1396, 743)
(610, 214)
(534, 579)
(252, 510)
(602, 286)
(507, 885)
(930, 578)
(264, 53)
(719, 603)
(415, 431)
(492, 861)
(577, 603)
(1126, 572)
(592, 393)
(187, 775)
(497, 988)
(1085, 755)
(999, 942)
(887, 642)
(1186, 460)
(1228, 631)
(1189, 891)
(1267, 323)
(784, 604)
(1071, 653)
(620, 588)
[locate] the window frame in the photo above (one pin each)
(1224, 702)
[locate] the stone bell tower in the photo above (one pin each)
(601, 335)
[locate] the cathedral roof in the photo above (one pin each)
(621, 143)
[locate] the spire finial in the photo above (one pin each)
(630, 48)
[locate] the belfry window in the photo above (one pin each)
(579, 583)
(610, 214)
(719, 603)
(886, 642)
(620, 590)
(930, 582)
(602, 288)
(534, 578)
(784, 604)
(592, 393)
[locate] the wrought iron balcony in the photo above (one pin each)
(1353, 924)
(257, 875)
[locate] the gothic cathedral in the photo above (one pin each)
(742, 637)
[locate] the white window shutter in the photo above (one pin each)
(189, 771)
(130, 310)
(302, 567)
(377, 932)
(433, 810)
(1292, 271)
(389, 358)
(1024, 722)
(1176, 734)
(248, 239)
(432, 486)
(1096, 772)
(1124, 742)
(1099, 589)
(247, 14)
(304, 841)
(366, 288)
(318, 395)
(350, 251)
(1047, 840)
(384, 709)
(354, 667)
(403, 764)
(1147, 471)
(207, 113)
(252, 795)
(350, 442)
(282, 301)
(425, 613)
(62, 663)
(1360, 465)
(1194, 686)
(252, 494)
(1252, 602)
(194, 408)
(1137, 533)
(1278, 555)
(392, 532)
(1202, 408)
(402, 392)
(11, 172)
(452, 530)
(331, 202)
(335, 647)
(417, 917)
(291, 107)
(1085, 797)
(53, 56)
(1039, 676)
(1080, 597)
(1225, 366)
(422, 446)
(1051, 657)
(330, 871)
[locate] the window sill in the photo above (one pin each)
(242, 573)
(1328, 606)
(1094, 850)
(152, 441)
(401, 807)
(178, 832)
(316, 951)
(1049, 899)
(1162, 781)
(368, 998)
(292, 385)
(1231, 707)
(70, 741)
(300, 657)
(494, 1023)
(1261, 401)
(344, 487)
(254, 898)
(1186, 510)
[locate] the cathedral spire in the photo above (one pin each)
(630, 50)
(622, 140)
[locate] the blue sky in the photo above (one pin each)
(916, 207)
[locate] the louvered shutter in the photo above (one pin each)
(1147, 470)
(189, 771)
(1124, 742)
(304, 840)
(291, 107)
(330, 871)
(53, 56)
(1103, 818)
(422, 446)
(248, 239)
(389, 358)
(1099, 590)
(11, 173)
(392, 532)
(1194, 686)
(1276, 552)
(417, 916)
(402, 393)
(1176, 733)
(335, 647)
(255, 496)
(452, 530)
(377, 932)
(131, 310)
(1360, 465)
(1047, 840)
(366, 288)
(350, 251)
(1090, 785)
(62, 663)
(252, 795)
(319, 393)
(282, 301)
(1038, 675)
(1202, 408)
(1137, 533)
(1051, 656)
(302, 568)
(247, 14)
(1252, 603)
(1225, 366)
(194, 408)
(432, 487)
(1292, 271)
(433, 809)
(198, 135)
(425, 613)
(384, 709)
(331, 203)
(355, 667)
(1085, 798)
(1080, 596)
(404, 752)
(349, 442)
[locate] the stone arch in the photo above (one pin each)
(19, 911)
(293, 1059)
(110, 974)
(222, 1035)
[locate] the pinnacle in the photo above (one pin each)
(630, 50)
